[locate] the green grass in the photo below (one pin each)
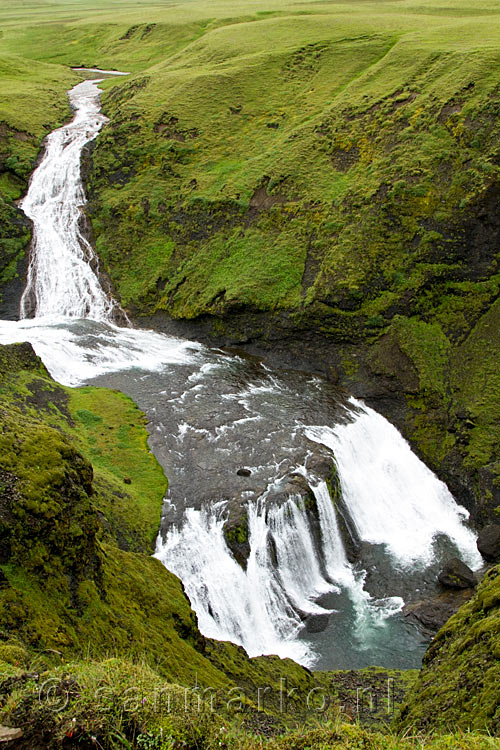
(80, 504)
(117, 703)
(458, 684)
(334, 164)
(110, 427)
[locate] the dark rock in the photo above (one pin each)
(321, 465)
(431, 614)
(317, 623)
(295, 484)
(488, 542)
(457, 575)
(127, 480)
(243, 472)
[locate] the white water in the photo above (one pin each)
(61, 280)
(257, 608)
(63, 289)
(394, 500)
(75, 352)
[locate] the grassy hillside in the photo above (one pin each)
(328, 171)
(320, 173)
(458, 686)
(80, 504)
(96, 637)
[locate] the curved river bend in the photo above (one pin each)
(320, 582)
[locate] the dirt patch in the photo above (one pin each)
(167, 126)
(345, 159)
(45, 398)
(402, 99)
(452, 107)
(261, 200)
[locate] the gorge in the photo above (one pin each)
(315, 461)
(249, 393)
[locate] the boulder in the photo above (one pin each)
(317, 623)
(457, 575)
(488, 542)
(431, 614)
(7, 734)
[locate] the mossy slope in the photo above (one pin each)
(115, 703)
(459, 684)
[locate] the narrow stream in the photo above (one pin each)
(249, 449)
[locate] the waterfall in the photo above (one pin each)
(297, 569)
(62, 282)
(250, 607)
(263, 607)
(393, 498)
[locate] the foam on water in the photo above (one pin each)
(393, 498)
(75, 352)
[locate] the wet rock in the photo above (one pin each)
(317, 623)
(431, 614)
(457, 575)
(243, 472)
(295, 484)
(321, 465)
(488, 542)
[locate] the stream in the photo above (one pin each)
(249, 448)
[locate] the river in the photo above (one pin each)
(308, 579)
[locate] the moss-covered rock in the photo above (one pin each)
(459, 683)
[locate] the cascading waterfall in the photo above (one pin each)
(260, 607)
(293, 573)
(393, 498)
(61, 281)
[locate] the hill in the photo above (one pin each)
(319, 179)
